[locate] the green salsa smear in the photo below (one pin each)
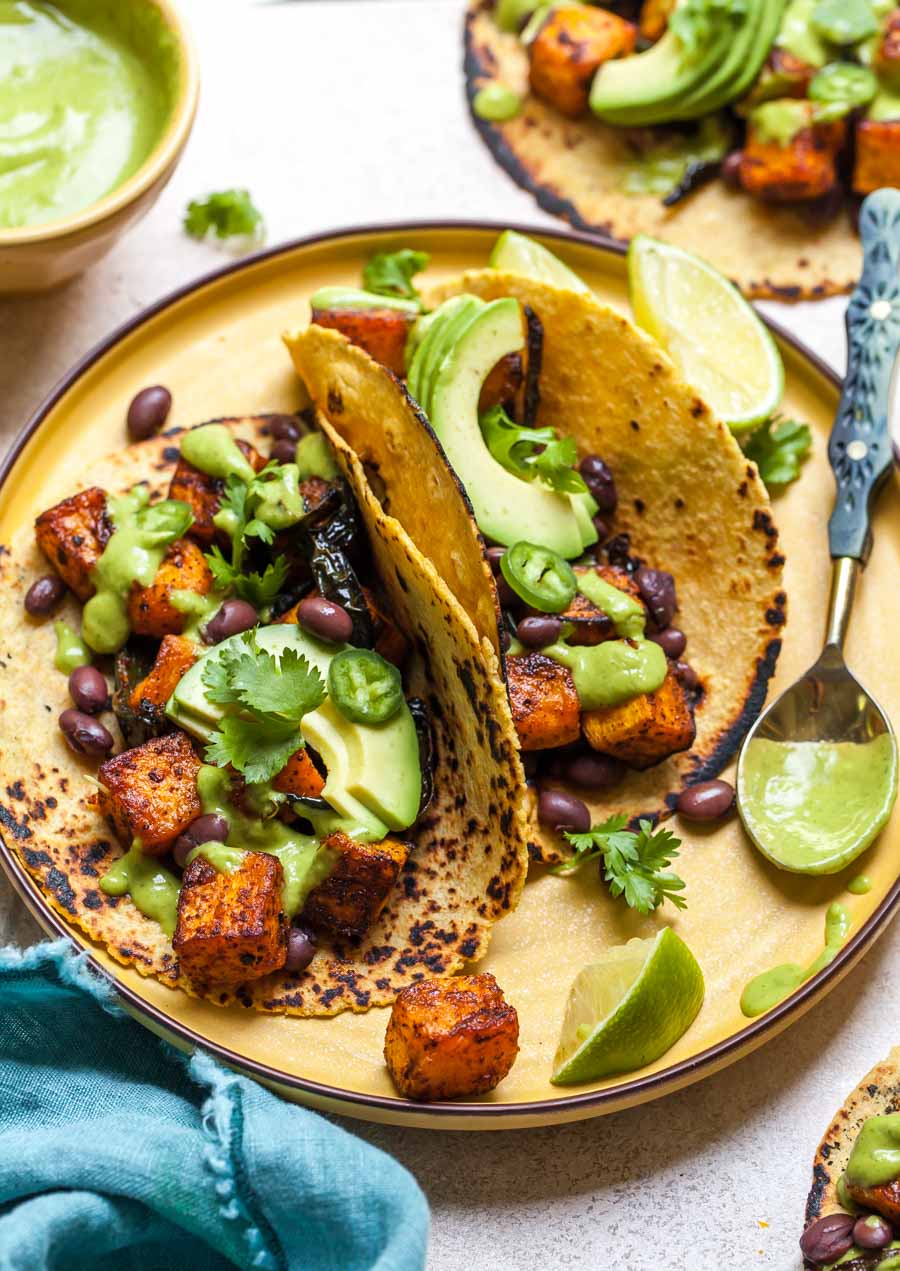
(875, 1158)
(82, 104)
(71, 651)
(153, 888)
(812, 807)
(859, 885)
(214, 451)
(767, 990)
(496, 102)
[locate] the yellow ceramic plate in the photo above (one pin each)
(217, 347)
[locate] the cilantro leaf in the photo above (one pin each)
(532, 453)
(778, 448)
(235, 516)
(287, 689)
(391, 273)
(225, 214)
(261, 589)
(256, 747)
(222, 571)
(634, 862)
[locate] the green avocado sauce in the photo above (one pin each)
(197, 609)
(282, 503)
(780, 121)
(214, 451)
(133, 553)
(859, 885)
(71, 651)
(153, 888)
(314, 458)
(891, 1263)
(875, 1158)
(304, 861)
(797, 35)
(85, 94)
(223, 858)
(496, 103)
(767, 990)
(610, 673)
(812, 807)
(885, 107)
(662, 167)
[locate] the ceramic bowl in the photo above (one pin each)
(35, 258)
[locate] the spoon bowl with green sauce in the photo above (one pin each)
(97, 98)
(817, 775)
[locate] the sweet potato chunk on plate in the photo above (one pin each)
(150, 609)
(355, 892)
(150, 792)
(646, 729)
(544, 701)
(174, 656)
(203, 493)
(565, 53)
(451, 1037)
(72, 535)
(231, 927)
(381, 332)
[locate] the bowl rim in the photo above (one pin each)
(160, 158)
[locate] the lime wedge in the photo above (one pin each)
(709, 331)
(517, 254)
(628, 1009)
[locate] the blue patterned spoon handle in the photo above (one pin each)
(860, 444)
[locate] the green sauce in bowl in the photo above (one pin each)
(87, 88)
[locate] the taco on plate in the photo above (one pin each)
(304, 793)
(607, 536)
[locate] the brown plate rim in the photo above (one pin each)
(656, 1084)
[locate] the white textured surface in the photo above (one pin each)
(341, 111)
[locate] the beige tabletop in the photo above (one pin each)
(334, 112)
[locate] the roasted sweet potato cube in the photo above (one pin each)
(568, 48)
(646, 729)
(877, 155)
(72, 535)
(452, 1037)
(381, 332)
(783, 75)
(884, 1199)
(150, 609)
(150, 792)
(231, 927)
(175, 656)
(203, 493)
(654, 18)
(502, 383)
(300, 776)
(803, 169)
(886, 62)
(544, 701)
(592, 626)
(355, 892)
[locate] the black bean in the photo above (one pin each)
(657, 588)
(233, 617)
(284, 451)
(706, 801)
(827, 1239)
(600, 481)
(672, 641)
(494, 554)
(871, 1231)
(602, 528)
(148, 411)
(686, 674)
(730, 171)
(301, 949)
(212, 827)
(593, 772)
(563, 811)
(325, 619)
(537, 633)
(88, 689)
(285, 428)
(86, 736)
(44, 595)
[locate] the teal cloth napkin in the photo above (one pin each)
(117, 1153)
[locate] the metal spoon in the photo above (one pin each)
(828, 704)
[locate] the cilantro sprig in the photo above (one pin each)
(391, 273)
(534, 454)
(236, 515)
(267, 697)
(225, 214)
(635, 863)
(778, 448)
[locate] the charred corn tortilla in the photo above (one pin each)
(575, 168)
(877, 1094)
(469, 857)
(690, 500)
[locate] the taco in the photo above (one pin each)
(640, 608)
(631, 119)
(304, 802)
(853, 1207)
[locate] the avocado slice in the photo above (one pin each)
(650, 87)
(374, 776)
(748, 52)
(507, 509)
(449, 322)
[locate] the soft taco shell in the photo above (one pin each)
(877, 1094)
(469, 859)
(575, 169)
(691, 501)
